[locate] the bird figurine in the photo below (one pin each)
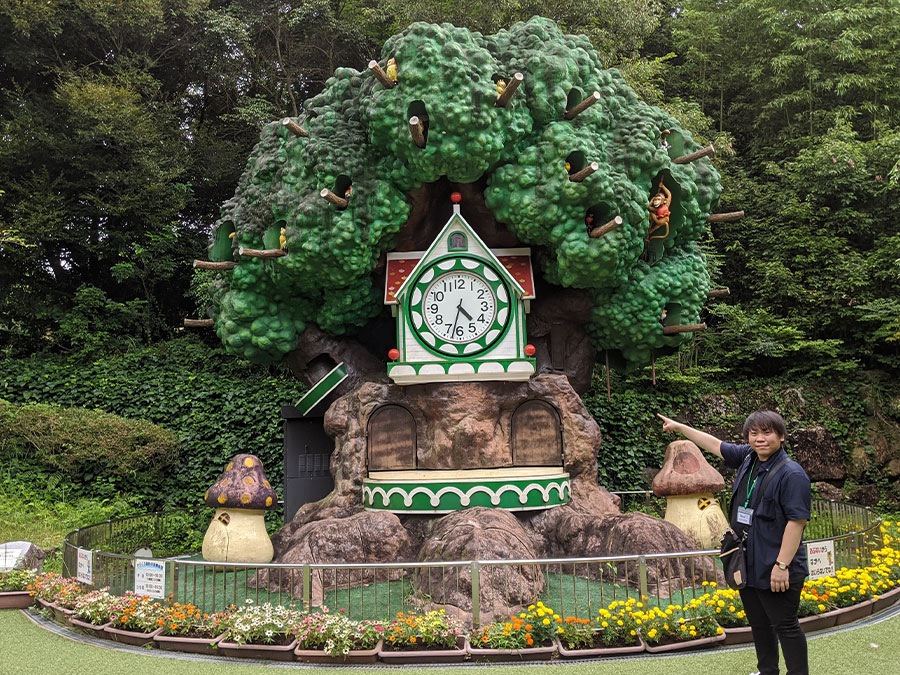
(347, 192)
(231, 236)
(501, 86)
(392, 69)
(589, 221)
(665, 142)
(282, 239)
(568, 168)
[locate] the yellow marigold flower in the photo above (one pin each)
(546, 622)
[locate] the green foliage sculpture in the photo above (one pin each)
(359, 138)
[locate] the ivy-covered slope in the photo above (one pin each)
(359, 138)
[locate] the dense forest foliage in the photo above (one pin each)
(124, 129)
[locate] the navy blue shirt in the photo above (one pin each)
(787, 497)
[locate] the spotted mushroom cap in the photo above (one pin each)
(243, 485)
(685, 471)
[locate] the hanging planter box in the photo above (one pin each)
(356, 656)
(598, 652)
(679, 645)
(130, 637)
(189, 645)
(16, 599)
(88, 627)
(250, 651)
(400, 656)
(528, 654)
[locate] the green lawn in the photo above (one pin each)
(27, 649)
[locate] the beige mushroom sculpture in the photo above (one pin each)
(240, 496)
(689, 484)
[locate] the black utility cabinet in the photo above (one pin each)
(307, 456)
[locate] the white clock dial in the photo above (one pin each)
(459, 307)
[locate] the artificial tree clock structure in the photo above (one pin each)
(552, 154)
(462, 315)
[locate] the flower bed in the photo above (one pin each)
(14, 589)
(325, 637)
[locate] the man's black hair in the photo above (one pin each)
(765, 420)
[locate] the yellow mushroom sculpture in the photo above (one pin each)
(241, 496)
(689, 484)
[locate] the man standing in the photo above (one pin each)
(773, 520)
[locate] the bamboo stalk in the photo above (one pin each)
(210, 265)
(199, 323)
(719, 292)
(598, 232)
(294, 128)
(503, 99)
(709, 151)
(690, 328)
(581, 107)
(332, 198)
(725, 217)
(584, 173)
(417, 131)
(380, 75)
(261, 253)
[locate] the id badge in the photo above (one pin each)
(744, 515)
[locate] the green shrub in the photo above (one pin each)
(87, 445)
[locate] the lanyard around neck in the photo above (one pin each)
(750, 486)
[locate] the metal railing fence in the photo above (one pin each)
(478, 590)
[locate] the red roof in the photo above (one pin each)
(400, 265)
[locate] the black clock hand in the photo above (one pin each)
(453, 328)
(465, 313)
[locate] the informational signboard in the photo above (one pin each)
(150, 578)
(12, 553)
(820, 557)
(85, 569)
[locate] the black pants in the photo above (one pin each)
(773, 618)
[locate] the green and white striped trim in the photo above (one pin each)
(462, 370)
(322, 388)
(442, 496)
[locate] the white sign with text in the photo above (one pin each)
(12, 553)
(150, 578)
(85, 570)
(820, 557)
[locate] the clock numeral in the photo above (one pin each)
(459, 331)
(438, 319)
(472, 328)
(481, 318)
(433, 307)
(439, 295)
(481, 292)
(484, 306)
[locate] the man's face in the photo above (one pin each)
(764, 442)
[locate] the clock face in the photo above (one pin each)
(459, 306)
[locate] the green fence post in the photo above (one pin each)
(642, 576)
(307, 587)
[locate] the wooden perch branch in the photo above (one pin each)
(380, 75)
(417, 131)
(210, 265)
(261, 253)
(719, 292)
(709, 151)
(584, 173)
(598, 232)
(332, 198)
(294, 128)
(690, 328)
(581, 107)
(725, 217)
(512, 85)
(199, 323)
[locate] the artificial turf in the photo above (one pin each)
(28, 649)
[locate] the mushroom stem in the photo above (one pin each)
(708, 151)
(417, 131)
(380, 75)
(725, 217)
(199, 323)
(689, 328)
(584, 173)
(294, 128)
(503, 99)
(261, 253)
(210, 265)
(332, 198)
(598, 232)
(581, 107)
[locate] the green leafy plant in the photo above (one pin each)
(431, 630)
